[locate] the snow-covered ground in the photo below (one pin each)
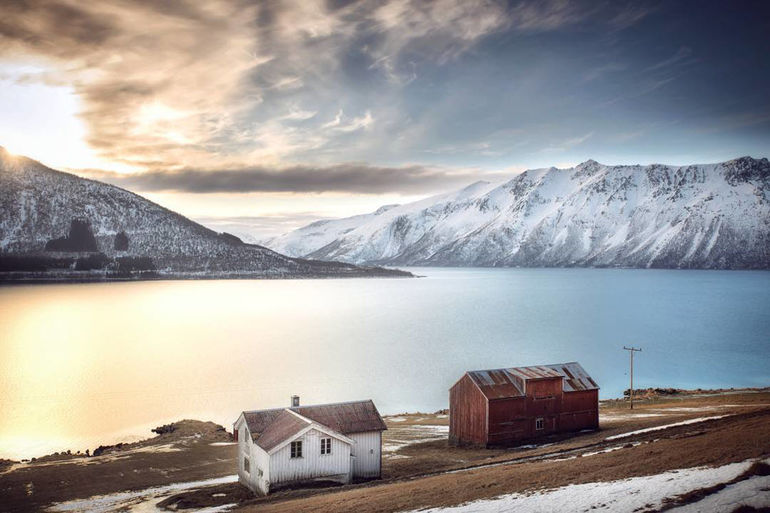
(634, 494)
(665, 426)
(408, 435)
(612, 417)
(140, 501)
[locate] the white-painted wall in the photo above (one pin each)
(312, 464)
(257, 479)
(278, 468)
(368, 454)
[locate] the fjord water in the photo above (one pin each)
(84, 364)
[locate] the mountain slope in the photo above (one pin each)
(45, 213)
(714, 216)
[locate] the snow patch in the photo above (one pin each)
(665, 426)
(140, 500)
(625, 495)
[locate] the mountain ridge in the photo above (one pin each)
(710, 216)
(40, 206)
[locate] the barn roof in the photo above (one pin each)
(575, 377)
(511, 382)
(345, 418)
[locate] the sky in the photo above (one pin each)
(259, 117)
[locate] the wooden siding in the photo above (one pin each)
(467, 413)
(507, 420)
(580, 410)
(515, 418)
(367, 453)
(312, 465)
(504, 421)
(258, 460)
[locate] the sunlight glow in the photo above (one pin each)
(41, 121)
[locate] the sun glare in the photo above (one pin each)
(42, 121)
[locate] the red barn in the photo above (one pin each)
(503, 406)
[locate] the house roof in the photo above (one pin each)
(344, 418)
(288, 424)
(284, 425)
(511, 382)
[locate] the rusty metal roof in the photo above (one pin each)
(497, 383)
(575, 377)
(345, 418)
(283, 426)
(511, 382)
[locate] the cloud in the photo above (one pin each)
(225, 82)
(258, 228)
(567, 144)
(680, 55)
(348, 177)
(352, 125)
(222, 84)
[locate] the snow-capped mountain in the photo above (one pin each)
(714, 216)
(50, 218)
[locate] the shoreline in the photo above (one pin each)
(648, 396)
(187, 463)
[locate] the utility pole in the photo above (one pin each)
(631, 351)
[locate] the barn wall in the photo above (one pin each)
(544, 401)
(467, 413)
(580, 410)
(508, 420)
(312, 464)
(368, 454)
(514, 419)
(473, 419)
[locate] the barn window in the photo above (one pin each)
(326, 445)
(539, 423)
(246, 464)
(296, 449)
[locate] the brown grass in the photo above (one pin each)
(724, 441)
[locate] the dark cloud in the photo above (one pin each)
(223, 84)
(348, 177)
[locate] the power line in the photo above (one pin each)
(631, 351)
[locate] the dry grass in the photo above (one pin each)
(184, 455)
(410, 469)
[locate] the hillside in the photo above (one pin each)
(56, 225)
(714, 216)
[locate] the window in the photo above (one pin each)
(326, 445)
(539, 424)
(296, 449)
(243, 436)
(246, 464)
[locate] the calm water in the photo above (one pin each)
(92, 363)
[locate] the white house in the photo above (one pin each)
(324, 442)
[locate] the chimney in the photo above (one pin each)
(294, 401)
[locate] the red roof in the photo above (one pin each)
(511, 382)
(345, 418)
(283, 426)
